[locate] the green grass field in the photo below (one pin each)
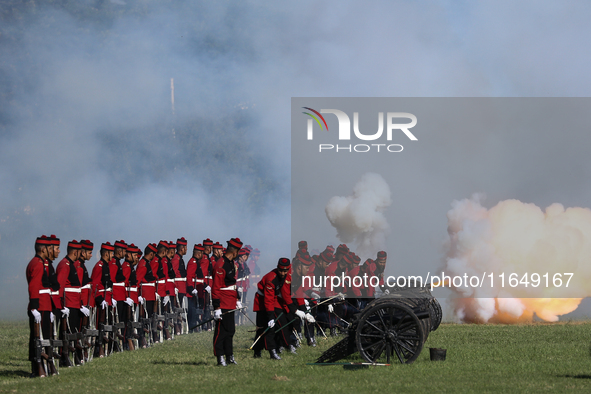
(536, 357)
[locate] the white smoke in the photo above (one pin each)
(515, 237)
(359, 218)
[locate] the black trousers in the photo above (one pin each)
(267, 340)
(223, 335)
(123, 313)
(45, 330)
(150, 308)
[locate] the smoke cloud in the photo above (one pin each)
(359, 218)
(515, 237)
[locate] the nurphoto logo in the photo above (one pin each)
(344, 132)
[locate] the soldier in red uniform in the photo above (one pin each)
(378, 268)
(40, 307)
(269, 309)
(242, 273)
(102, 289)
(301, 295)
(180, 278)
(52, 255)
(85, 290)
(70, 293)
(119, 287)
(195, 287)
(160, 266)
(126, 306)
(146, 280)
(207, 269)
(225, 298)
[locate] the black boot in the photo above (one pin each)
(257, 354)
(231, 360)
(221, 361)
(292, 349)
(274, 355)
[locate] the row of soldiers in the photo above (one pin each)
(131, 298)
(147, 297)
(301, 296)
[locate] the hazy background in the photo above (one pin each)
(90, 147)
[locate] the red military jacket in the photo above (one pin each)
(101, 282)
(132, 284)
(180, 273)
(67, 276)
(300, 290)
(146, 280)
(118, 279)
(195, 278)
(127, 270)
(160, 268)
(223, 292)
(207, 269)
(85, 282)
(272, 293)
(37, 273)
(334, 270)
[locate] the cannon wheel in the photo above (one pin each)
(436, 314)
(389, 330)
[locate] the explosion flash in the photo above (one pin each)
(517, 237)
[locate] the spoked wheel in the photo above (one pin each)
(389, 331)
(436, 314)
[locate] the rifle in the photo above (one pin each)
(208, 320)
(65, 356)
(117, 326)
(38, 350)
(267, 329)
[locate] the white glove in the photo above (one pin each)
(51, 317)
(240, 290)
(66, 311)
(271, 323)
(166, 300)
(129, 301)
(300, 314)
(176, 291)
(208, 289)
(310, 318)
(341, 296)
(114, 302)
(330, 308)
(217, 314)
(104, 304)
(194, 292)
(36, 315)
(157, 297)
(315, 295)
(141, 300)
(85, 311)
(306, 302)
(238, 305)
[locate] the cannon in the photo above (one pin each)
(393, 327)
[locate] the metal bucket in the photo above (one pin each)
(437, 354)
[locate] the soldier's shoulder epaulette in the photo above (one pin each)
(288, 281)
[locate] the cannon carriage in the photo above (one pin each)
(391, 328)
